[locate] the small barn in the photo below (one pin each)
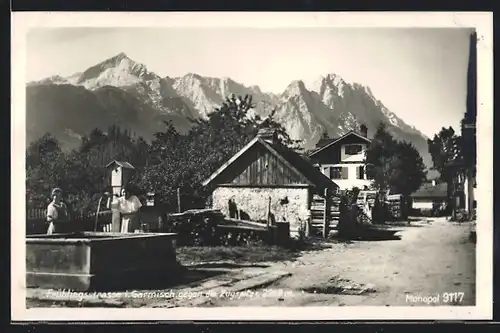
(429, 196)
(267, 180)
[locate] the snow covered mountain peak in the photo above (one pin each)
(117, 71)
(55, 79)
(120, 56)
(295, 88)
(334, 79)
(330, 104)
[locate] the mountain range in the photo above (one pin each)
(124, 92)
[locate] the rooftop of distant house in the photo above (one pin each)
(431, 190)
(326, 141)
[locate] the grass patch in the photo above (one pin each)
(236, 254)
(339, 286)
(410, 223)
(255, 253)
(416, 218)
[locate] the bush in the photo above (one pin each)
(300, 241)
(197, 230)
(193, 230)
(426, 212)
(461, 215)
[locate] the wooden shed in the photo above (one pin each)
(266, 180)
(429, 195)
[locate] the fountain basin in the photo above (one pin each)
(85, 261)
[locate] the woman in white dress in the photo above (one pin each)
(128, 205)
(57, 214)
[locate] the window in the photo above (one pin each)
(336, 173)
(326, 171)
(345, 173)
(360, 172)
(353, 149)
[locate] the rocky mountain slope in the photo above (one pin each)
(122, 91)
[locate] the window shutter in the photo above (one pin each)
(369, 172)
(344, 173)
(358, 172)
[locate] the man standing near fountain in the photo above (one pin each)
(57, 213)
(128, 205)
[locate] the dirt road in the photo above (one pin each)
(432, 264)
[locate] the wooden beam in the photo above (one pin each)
(326, 214)
(269, 211)
(264, 186)
(178, 200)
(284, 161)
(246, 222)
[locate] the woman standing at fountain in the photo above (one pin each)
(128, 205)
(57, 213)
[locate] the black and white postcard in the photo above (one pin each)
(252, 166)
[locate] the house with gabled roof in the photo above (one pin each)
(266, 178)
(430, 195)
(343, 159)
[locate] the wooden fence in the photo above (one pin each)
(325, 214)
(394, 205)
(211, 227)
(36, 220)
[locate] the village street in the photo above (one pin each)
(431, 259)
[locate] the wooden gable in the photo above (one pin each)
(260, 167)
(331, 153)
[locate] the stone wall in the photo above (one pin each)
(254, 201)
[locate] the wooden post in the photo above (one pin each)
(326, 214)
(115, 220)
(308, 224)
(269, 212)
(178, 200)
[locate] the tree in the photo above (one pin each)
(395, 166)
(172, 160)
(185, 161)
(283, 135)
(411, 173)
(43, 169)
(79, 172)
(45, 148)
(444, 148)
(446, 152)
(381, 158)
(412, 169)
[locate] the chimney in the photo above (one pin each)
(269, 135)
(363, 130)
(433, 182)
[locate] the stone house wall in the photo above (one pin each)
(254, 201)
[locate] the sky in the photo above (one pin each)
(418, 73)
